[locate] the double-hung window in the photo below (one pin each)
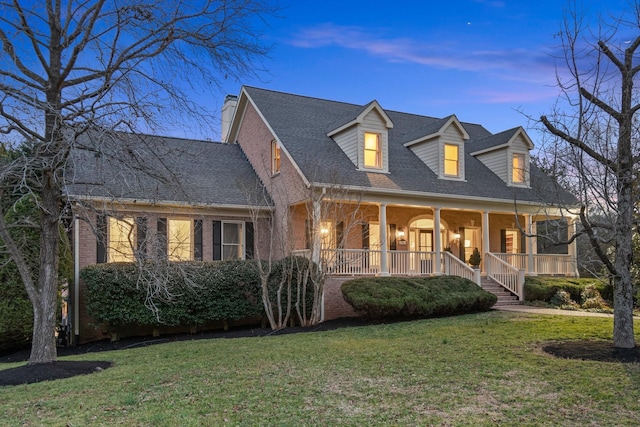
(517, 169)
(232, 240)
(179, 240)
(451, 160)
(122, 239)
(372, 151)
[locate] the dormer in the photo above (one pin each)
(507, 155)
(365, 138)
(440, 145)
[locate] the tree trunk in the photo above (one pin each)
(43, 348)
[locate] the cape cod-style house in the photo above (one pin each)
(360, 189)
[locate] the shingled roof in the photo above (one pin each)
(154, 169)
(300, 123)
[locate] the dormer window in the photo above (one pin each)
(451, 160)
(518, 169)
(372, 151)
(275, 158)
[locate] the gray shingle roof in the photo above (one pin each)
(301, 124)
(162, 169)
(494, 140)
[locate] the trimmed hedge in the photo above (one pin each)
(544, 288)
(403, 297)
(201, 292)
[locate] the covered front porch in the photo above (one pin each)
(390, 239)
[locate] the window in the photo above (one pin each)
(179, 239)
(232, 240)
(451, 160)
(122, 238)
(372, 151)
(517, 169)
(275, 158)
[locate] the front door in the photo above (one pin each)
(425, 241)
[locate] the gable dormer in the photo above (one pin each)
(507, 155)
(365, 138)
(440, 145)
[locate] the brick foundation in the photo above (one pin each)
(334, 304)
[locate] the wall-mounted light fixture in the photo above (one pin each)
(400, 233)
(456, 236)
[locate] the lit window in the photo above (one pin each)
(518, 168)
(122, 236)
(232, 240)
(275, 158)
(451, 160)
(179, 239)
(372, 152)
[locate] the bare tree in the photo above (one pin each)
(595, 137)
(69, 66)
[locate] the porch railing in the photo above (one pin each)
(454, 266)
(555, 264)
(505, 274)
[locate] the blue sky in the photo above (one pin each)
(483, 60)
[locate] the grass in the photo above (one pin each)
(472, 370)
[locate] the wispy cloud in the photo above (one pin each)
(513, 64)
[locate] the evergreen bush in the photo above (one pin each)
(401, 297)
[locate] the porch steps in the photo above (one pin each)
(504, 296)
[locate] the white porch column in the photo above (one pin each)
(573, 248)
(316, 244)
(436, 226)
(384, 266)
(485, 238)
(530, 259)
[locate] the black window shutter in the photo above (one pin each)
(162, 237)
(197, 239)
(248, 251)
(461, 250)
(141, 237)
(503, 241)
(217, 240)
(523, 243)
(392, 237)
(101, 239)
(365, 236)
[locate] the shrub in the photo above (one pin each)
(400, 297)
(562, 298)
(545, 288)
(591, 298)
(201, 292)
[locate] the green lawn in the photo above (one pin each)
(480, 369)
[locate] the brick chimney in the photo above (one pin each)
(228, 109)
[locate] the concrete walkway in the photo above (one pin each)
(553, 311)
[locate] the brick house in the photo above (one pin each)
(359, 189)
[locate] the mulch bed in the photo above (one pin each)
(598, 351)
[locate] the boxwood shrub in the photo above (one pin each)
(407, 297)
(544, 288)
